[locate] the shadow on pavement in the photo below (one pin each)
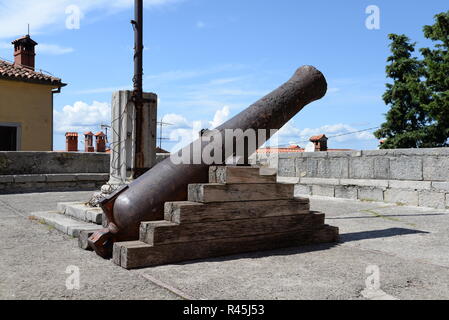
(376, 234)
(388, 216)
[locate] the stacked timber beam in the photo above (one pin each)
(242, 209)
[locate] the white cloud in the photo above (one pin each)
(52, 49)
(339, 133)
(82, 117)
(15, 15)
(220, 117)
(200, 25)
(176, 121)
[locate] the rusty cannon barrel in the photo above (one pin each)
(144, 199)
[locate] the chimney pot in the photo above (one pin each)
(101, 141)
(320, 142)
(24, 52)
(71, 139)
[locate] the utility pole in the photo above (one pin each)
(138, 87)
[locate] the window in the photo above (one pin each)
(9, 138)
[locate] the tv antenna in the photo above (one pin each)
(161, 125)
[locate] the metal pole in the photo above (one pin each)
(139, 163)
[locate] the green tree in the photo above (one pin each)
(419, 94)
(436, 61)
(405, 125)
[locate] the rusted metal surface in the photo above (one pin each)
(144, 199)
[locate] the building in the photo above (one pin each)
(26, 101)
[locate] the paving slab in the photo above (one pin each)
(407, 245)
(35, 258)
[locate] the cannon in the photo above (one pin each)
(144, 199)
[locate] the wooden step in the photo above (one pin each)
(136, 254)
(233, 174)
(207, 193)
(163, 232)
(194, 212)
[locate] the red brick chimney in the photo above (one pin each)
(71, 141)
(89, 142)
(101, 141)
(24, 52)
(320, 142)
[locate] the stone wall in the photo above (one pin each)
(18, 163)
(418, 177)
(54, 171)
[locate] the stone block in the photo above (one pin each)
(381, 168)
(92, 177)
(406, 168)
(346, 192)
(365, 183)
(361, 168)
(402, 197)
(6, 179)
(307, 167)
(312, 167)
(320, 181)
(324, 191)
(436, 168)
(62, 206)
(301, 167)
(410, 185)
(441, 186)
(74, 231)
(61, 177)
(371, 194)
(290, 180)
(447, 200)
(301, 190)
(432, 200)
(287, 167)
(333, 168)
(30, 178)
(62, 223)
(323, 168)
(344, 154)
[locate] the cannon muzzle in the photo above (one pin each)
(144, 199)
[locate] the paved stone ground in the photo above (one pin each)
(409, 245)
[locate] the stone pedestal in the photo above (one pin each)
(123, 137)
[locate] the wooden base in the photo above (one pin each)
(195, 212)
(242, 210)
(137, 254)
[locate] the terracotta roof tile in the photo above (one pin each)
(9, 71)
(318, 138)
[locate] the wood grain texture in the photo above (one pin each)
(162, 232)
(232, 174)
(194, 212)
(132, 255)
(207, 193)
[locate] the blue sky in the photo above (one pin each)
(209, 59)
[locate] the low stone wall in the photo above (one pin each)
(52, 182)
(20, 163)
(54, 171)
(418, 177)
